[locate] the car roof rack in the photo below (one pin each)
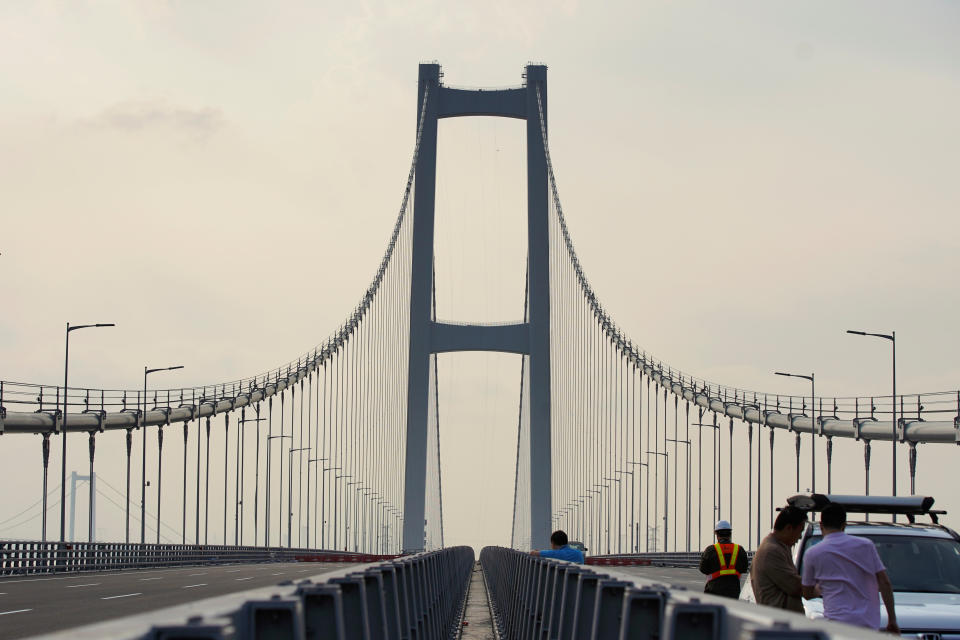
(909, 506)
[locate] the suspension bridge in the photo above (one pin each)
(338, 451)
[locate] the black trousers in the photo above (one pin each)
(726, 586)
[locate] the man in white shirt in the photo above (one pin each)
(847, 571)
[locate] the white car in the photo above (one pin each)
(922, 560)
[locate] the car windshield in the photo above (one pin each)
(915, 563)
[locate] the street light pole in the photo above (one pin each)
(143, 478)
(619, 513)
(813, 424)
(629, 473)
(677, 443)
(290, 497)
(323, 506)
(268, 491)
(256, 471)
(336, 500)
(701, 425)
(63, 428)
(606, 486)
(309, 462)
(593, 519)
(666, 496)
(633, 503)
(892, 337)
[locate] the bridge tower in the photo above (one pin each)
(427, 336)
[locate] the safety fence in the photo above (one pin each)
(411, 597)
(534, 597)
(23, 557)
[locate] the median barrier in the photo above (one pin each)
(533, 597)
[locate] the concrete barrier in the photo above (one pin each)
(533, 597)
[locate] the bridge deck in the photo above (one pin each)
(33, 605)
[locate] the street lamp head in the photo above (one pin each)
(89, 326)
(795, 375)
(892, 336)
(147, 370)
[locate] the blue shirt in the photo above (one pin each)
(565, 552)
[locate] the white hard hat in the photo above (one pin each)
(723, 525)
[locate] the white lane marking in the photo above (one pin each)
(196, 574)
(234, 571)
(88, 584)
(248, 578)
(277, 574)
(91, 575)
(6, 613)
(105, 575)
(191, 586)
(148, 579)
(126, 595)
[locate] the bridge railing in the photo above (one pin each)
(534, 597)
(417, 596)
(26, 557)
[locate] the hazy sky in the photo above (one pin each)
(743, 182)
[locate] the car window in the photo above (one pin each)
(914, 563)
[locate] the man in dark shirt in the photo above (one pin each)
(774, 577)
(724, 562)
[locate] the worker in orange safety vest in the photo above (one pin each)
(724, 562)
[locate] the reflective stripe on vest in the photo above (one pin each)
(725, 568)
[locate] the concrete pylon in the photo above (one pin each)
(428, 337)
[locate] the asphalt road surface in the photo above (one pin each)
(691, 579)
(32, 605)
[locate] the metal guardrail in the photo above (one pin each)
(661, 559)
(411, 597)
(25, 557)
(533, 597)
(680, 559)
